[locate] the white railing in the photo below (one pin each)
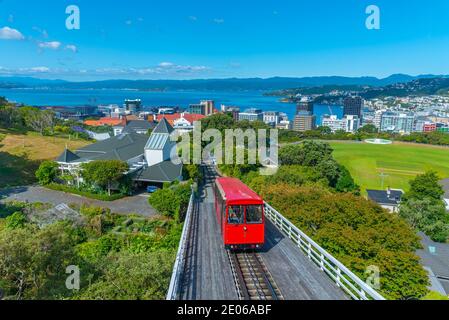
(175, 284)
(342, 276)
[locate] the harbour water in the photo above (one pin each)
(54, 97)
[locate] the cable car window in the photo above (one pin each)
(254, 214)
(235, 215)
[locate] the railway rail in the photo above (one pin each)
(252, 279)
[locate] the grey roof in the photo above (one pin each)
(382, 197)
(157, 141)
(163, 127)
(165, 171)
(445, 184)
(123, 147)
(139, 125)
(435, 256)
(67, 156)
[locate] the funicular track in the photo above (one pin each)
(252, 279)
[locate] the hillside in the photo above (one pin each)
(21, 154)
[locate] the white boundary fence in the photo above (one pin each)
(173, 290)
(342, 276)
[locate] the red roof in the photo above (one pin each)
(105, 122)
(236, 192)
(191, 117)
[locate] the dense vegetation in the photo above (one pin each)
(321, 198)
(424, 208)
(119, 257)
(366, 132)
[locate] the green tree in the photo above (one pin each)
(128, 276)
(425, 186)
(33, 261)
(47, 172)
(104, 173)
(357, 232)
(427, 216)
(369, 128)
(38, 120)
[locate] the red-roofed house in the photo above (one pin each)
(182, 122)
(106, 121)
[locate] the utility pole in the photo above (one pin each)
(382, 179)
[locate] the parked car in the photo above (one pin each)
(152, 189)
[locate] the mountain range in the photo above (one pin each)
(229, 84)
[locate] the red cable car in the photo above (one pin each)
(240, 214)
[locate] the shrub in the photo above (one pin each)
(47, 172)
(16, 221)
(101, 197)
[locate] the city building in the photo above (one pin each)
(252, 114)
(305, 104)
(133, 106)
(304, 121)
(271, 118)
(322, 110)
(234, 111)
(205, 108)
(349, 123)
(396, 122)
(388, 199)
(73, 113)
(353, 106)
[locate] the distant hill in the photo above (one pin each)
(230, 84)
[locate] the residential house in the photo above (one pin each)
(388, 199)
(149, 158)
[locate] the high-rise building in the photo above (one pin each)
(251, 115)
(304, 121)
(271, 118)
(353, 106)
(209, 107)
(133, 106)
(397, 122)
(205, 107)
(305, 104)
(347, 124)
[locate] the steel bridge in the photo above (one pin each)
(290, 266)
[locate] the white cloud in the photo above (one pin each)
(39, 69)
(7, 33)
(162, 69)
(219, 20)
(72, 48)
(53, 45)
(193, 18)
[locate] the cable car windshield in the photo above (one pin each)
(254, 214)
(236, 214)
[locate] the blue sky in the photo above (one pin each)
(185, 39)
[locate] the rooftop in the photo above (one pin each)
(391, 197)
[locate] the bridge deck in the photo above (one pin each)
(208, 274)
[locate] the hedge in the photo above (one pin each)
(90, 195)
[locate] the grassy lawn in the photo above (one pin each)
(21, 154)
(399, 162)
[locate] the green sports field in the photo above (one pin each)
(398, 162)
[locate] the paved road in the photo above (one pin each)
(137, 204)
